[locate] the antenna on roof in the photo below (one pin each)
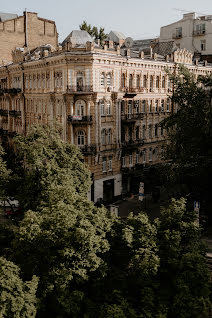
(181, 10)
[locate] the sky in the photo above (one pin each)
(138, 19)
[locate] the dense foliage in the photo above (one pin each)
(90, 263)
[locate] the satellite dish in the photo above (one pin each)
(128, 42)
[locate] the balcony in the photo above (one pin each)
(88, 150)
(131, 92)
(79, 89)
(80, 120)
(131, 118)
(15, 113)
(132, 144)
(12, 91)
(198, 32)
(4, 112)
(177, 35)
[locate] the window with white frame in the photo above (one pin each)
(168, 104)
(156, 105)
(130, 160)
(103, 136)
(123, 161)
(144, 106)
(102, 107)
(136, 106)
(104, 164)
(80, 138)
(110, 166)
(102, 80)
(108, 108)
(162, 105)
(144, 155)
(109, 79)
(80, 108)
(109, 136)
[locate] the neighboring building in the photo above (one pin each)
(116, 37)
(192, 33)
(109, 101)
(27, 31)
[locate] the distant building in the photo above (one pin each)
(192, 33)
(116, 37)
(78, 38)
(27, 31)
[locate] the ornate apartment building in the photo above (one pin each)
(109, 101)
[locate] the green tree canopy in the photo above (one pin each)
(98, 34)
(48, 170)
(17, 298)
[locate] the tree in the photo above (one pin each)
(189, 147)
(184, 288)
(17, 298)
(64, 239)
(98, 34)
(48, 170)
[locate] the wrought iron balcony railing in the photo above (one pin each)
(88, 150)
(132, 117)
(3, 112)
(79, 120)
(132, 143)
(15, 113)
(12, 91)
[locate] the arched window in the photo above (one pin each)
(102, 107)
(80, 81)
(103, 136)
(145, 81)
(150, 106)
(80, 108)
(123, 80)
(138, 81)
(109, 136)
(157, 81)
(109, 79)
(156, 105)
(108, 108)
(131, 81)
(102, 80)
(80, 138)
(143, 106)
(163, 82)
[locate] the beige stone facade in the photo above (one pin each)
(27, 31)
(109, 102)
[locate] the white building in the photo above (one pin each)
(192, 33)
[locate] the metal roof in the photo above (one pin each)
(7, 16)
(78, 37)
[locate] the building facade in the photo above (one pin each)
(109, 102)
(192, 33)
(27, 31)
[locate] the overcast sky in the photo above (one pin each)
(136, 18)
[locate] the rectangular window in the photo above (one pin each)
(123, 161)
(162, 105)
(144, 156)
(104, 164)
(137, 158)
(203, 45)
(150, 154)
(130, 160)
(102, 106)
(136, 106)
(110, 168)
(143, 106)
